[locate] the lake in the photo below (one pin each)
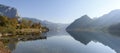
(68, 42)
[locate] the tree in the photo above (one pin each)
(3, 20)
(13, 22)
(36, 25)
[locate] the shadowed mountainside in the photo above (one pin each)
(101, 23)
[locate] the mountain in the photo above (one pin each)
(80, 23)
(108, 19)
(50, 25)
(103, 22)
(8, 11)
(11, 12)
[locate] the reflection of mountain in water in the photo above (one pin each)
(104, 38)
(54, 33)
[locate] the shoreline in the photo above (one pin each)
(25, 32)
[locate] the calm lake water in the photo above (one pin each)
(71, 42)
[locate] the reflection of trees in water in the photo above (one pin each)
(11, 41)
(104, 38)
(3, 49)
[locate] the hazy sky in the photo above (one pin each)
(62, 11)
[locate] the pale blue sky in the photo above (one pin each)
(62, 11)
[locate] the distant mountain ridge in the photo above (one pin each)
(50, 25)
(103, 22)
(8, 11)
(11, 12)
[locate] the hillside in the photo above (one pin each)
(52, 26)
(101, 23)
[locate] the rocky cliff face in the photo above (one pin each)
(8, 11)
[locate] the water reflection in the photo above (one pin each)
(11, 41)
(107, 39)
(56, 33)
(62, 42)
(3, 49)
(115, 33)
